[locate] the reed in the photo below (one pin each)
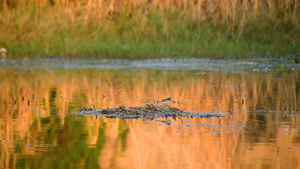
(131, 28)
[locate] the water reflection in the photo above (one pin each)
(260, 127)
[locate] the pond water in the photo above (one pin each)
(258, 98)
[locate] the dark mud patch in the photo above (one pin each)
(150, 111)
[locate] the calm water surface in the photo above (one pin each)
(259, 100)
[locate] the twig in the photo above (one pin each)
(14, 96)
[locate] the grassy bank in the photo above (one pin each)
(161, 28)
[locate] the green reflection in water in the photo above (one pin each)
(123, 132)
(61, 146)
(53, 96)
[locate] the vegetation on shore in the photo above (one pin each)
(157, 28)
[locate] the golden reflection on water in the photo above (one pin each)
(260, 127)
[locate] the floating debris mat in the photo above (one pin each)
(147, 111)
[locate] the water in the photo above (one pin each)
(259, 100)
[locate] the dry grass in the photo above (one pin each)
(41, 24)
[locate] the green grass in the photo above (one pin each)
(145, 35)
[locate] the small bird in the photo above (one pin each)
(167, 101)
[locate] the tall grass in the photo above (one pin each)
(138, 28)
